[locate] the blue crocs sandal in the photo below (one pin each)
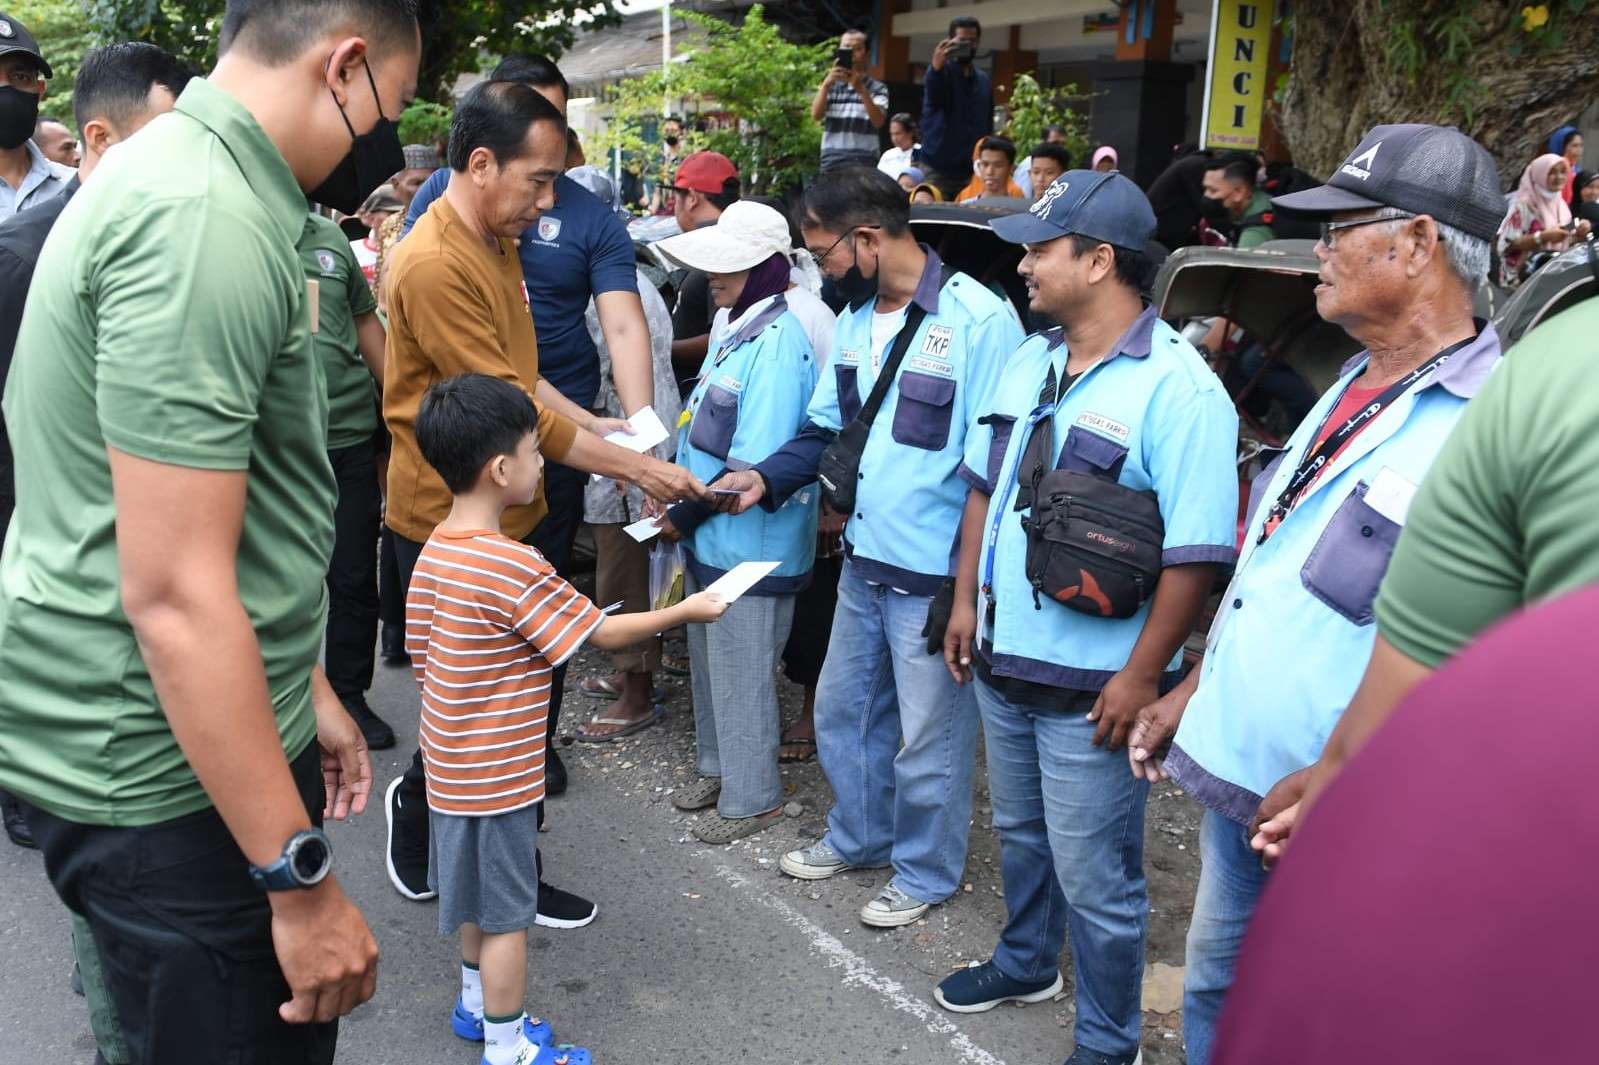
(470, 1027)
(565, 1054)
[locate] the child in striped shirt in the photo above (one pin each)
(487, 622)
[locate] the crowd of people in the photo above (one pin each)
(244, 454)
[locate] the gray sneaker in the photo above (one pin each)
(892, 908)
(816, 862)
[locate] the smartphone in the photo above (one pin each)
(844, 57)
(726, 492)
(963, 50)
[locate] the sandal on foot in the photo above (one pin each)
(627, 729)
(698, 795)
(604, 688)
(717, 830)
(805, 754)
(676, 665)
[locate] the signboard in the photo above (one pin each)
(1235, 79)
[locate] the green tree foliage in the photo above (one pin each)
(747, 72)
(424, 122)
(63, 37)
(1033, 109)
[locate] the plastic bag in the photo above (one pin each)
(666, 575)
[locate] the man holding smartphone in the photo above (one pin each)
(850, 106)
(957, 107)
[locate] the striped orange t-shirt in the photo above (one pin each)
(486, 622)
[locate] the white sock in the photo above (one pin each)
(471, 990)
(504, 1043)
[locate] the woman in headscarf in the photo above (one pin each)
(1537, 219)
(1585, 197)
(1567, 141)
(1105, 158)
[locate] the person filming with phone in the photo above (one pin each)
(957, 107)
(850, 106)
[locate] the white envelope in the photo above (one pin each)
(643, 529)
(648, 431)
(1390, 494)
(740, 579)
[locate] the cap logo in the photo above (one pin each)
(6, 30)
(1041, 206)
(1360, 166)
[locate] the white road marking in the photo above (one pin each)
(857, 972)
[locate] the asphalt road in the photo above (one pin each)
(699, 954)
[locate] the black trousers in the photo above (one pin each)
(353, 571)
(391, 590)
(185, 936)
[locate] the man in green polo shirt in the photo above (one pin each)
(161, 587)
(349, 341)
(1230, 181)
(1503, 520)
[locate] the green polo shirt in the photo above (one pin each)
(342, 296)
(1256, 235)
(167, 319)
(1505, 517)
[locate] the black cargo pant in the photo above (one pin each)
(352, 632)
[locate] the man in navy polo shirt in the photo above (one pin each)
(1116, 394)
(578, 249)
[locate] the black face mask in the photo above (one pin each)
(374, 157)
(671, 141)
(19, 113)
(856, 287)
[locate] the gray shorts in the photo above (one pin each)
(485, 869)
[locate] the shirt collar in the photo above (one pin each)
(257, 157)
(40, 170)
(1466, 369)
(1136, 341)
(932, 282)
(757, 317)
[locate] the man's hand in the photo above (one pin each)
(1123, 696)
(959, 635)
(327, 953)
(668, 482)
(834, 76)
(750, 485)
(670, 534)
(941, 52)
(1274, 821)
(346, 766)
(604, 427)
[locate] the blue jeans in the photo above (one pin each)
(1070, 818)
(733, 673)
(911, 804)
(1230, 882)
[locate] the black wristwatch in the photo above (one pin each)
(306, 861)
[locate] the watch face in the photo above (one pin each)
(311, 858)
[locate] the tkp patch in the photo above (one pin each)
(936, 342)
(328, 262)
(1101, 424)
(549, 229)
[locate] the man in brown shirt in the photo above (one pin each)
(457, 304)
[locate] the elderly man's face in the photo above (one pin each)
(1362, 268)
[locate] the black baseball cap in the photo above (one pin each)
(14, 37)
(1432, 170)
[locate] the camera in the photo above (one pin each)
(963, 51)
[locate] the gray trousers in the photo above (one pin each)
(733, 664)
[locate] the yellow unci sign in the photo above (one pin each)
(1235, 79)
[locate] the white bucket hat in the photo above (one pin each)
(745, 236)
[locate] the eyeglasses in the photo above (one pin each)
(1329, 228)
(819, 258)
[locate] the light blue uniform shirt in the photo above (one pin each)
(909, 500)
(1152, 415)
(750, 399)
(1294, 632)
(44, 181)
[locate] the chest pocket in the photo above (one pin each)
(1349, 560)
(849, 396)
(922, 416)
(1088, 452)
(715, 422)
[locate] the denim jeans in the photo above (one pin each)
(1070, 819)
(897, 739)
(1230, 882)
(733, 672)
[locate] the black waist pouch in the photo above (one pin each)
(1093, 545)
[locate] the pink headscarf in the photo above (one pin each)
(1535, 192)
(1104, 151)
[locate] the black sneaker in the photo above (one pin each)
(554, 772)
(379, 737)
(562, 909)
(16, 825)
(405, 855)
(392, 644)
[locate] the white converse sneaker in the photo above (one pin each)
(816, 862)
(892, 908)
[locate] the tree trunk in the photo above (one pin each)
(1350, 73)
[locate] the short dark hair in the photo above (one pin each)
(857, 195)
(1057, 152)
(904, 118)
(865, 35)
(1054, 127)
(114, 82)
(466, 421)
(965, 22)
(535, 70)
(727, 197)
(497, 115)
(1234, 165)
(277, 31)
(672, 118)
(1132, 267)
(999, 144)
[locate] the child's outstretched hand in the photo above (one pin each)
(705, 607)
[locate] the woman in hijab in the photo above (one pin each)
(1585, 197)
(1105, 158)
(1538, 218)
(1567, 141)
